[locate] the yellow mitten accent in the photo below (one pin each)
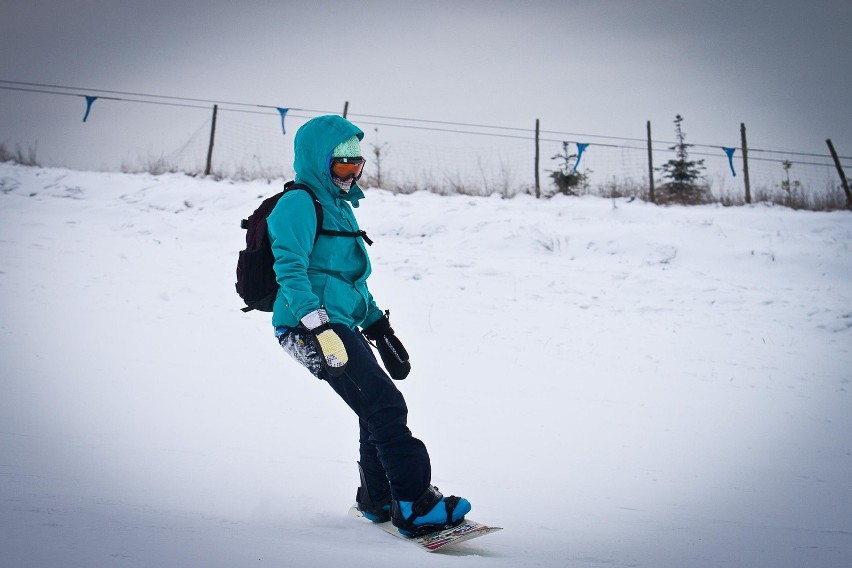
(329, 344)
(332, 349)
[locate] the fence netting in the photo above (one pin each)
(405, 159)
(406, 155)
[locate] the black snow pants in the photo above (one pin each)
(392, 459)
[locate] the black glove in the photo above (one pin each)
(393, 354)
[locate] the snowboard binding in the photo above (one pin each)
(426, 515)
(376, 510)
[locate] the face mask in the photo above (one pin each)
(344, 186)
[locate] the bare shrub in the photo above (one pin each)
(20, 156)
(731, 199)
(615, 188)
(151, 164)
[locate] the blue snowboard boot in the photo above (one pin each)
(429, 513)
(374, 509)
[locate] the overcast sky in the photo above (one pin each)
(602, 67)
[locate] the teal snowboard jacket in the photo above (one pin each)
(332, 272)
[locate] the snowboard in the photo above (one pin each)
(438, 540)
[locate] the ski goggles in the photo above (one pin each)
(345, 169)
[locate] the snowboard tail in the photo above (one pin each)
(435, 541)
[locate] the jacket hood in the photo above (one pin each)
(313, 145)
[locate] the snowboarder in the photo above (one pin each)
(322, 301)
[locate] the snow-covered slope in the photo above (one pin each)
(614, 383)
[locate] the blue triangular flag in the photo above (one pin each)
(580, 149)
(89, 101)
(730, 153)
(283, 112)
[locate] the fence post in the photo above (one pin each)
(745, 163)
(650, 165)
(212, 138)
(345, 108)
(537, 185)
(843, 180)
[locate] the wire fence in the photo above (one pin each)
(411, 154)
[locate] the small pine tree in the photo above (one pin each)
(566, 180)
(684, 175)
(683, 172)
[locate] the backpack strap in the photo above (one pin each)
(362, 234)
(291, 185)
